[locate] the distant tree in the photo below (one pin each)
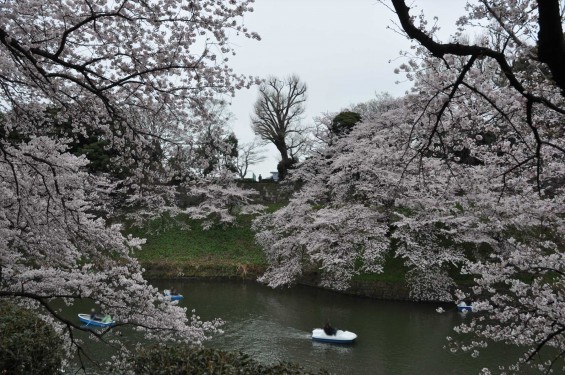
(277, 118)
(344, 121)
(211, 153)
(217, 145)
(329, 125)
(248, 154)
(373, 108)
(218, 153)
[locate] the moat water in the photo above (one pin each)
(394, 338)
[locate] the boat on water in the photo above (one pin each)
(463, 307)
(340, 337)
(173, 297)
(103, 322)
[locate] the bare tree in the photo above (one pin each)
(277, 118)
(248, 154)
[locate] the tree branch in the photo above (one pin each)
(551, 44)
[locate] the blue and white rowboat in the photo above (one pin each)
(173, 297)
(463, 307)
(340, 337)
(85, 318)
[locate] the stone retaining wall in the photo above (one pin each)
(385, 290)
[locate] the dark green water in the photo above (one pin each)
(394, 338)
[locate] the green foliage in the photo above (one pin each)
(28, 345)
(344, 122)
(96, 151)
(394, 271)
(284, 166)
(182, 359)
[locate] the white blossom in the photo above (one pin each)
(136, 76)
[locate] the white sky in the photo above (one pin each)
(341, 49)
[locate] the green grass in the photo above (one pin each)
(172, 250)
(225, 243)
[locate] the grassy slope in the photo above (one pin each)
(172, 251)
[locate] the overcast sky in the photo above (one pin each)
(344, 50)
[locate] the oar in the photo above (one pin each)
(86, 325)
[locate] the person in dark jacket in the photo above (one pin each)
(94, 315)
(329, 330)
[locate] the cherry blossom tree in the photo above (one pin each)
(332, 223)
(465, 174)
(520, 284)
(141, 77)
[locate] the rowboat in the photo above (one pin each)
(173, 297)
(463, 307)
(340, 337)
(104, 322)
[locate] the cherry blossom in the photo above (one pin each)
(142, 78)
(464, 174)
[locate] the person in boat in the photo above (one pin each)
(94, 315)
(174, 292)
(329, 330)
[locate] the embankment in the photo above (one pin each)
(187, 251)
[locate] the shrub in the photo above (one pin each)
(28, 345)
(344, 122)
